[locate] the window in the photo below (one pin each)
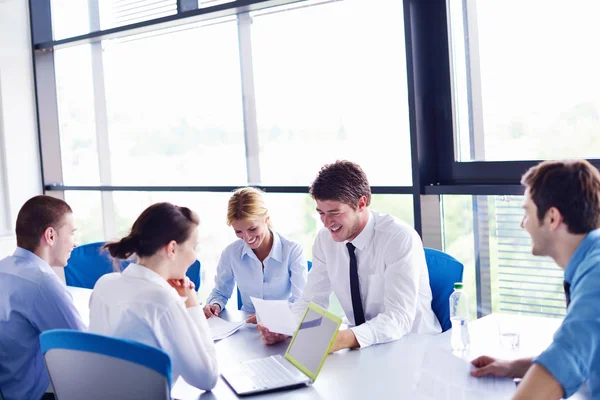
(87, 212)
(485, 230)
(331, 84)
(77, 17)
(175, 108)
(520, 92)
(168, 105)
(76, 116)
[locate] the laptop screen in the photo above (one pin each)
(310, 345)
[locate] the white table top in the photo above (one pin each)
(383, 371)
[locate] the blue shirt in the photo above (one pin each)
(283, 278)
(574, 355)
(33, 299)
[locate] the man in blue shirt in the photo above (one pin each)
(33, 299)
(562, 216)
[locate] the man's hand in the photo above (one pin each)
(344, 340)
(212, 310)
(270, 337)
(486, 365)
(251, 319)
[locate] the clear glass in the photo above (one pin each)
(78, 17)
(520, 283)
(458, 241)
(87, 212)
(530, 88)
(173, 118)
(331, 84)
(76, 116)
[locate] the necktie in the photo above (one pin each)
(359, 314)
(567, 287)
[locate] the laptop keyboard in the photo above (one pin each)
(268, 373)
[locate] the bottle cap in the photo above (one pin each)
(458, 285)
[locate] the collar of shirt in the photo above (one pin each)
(276, 252)
(137, 271)
(364, 237)
(34, 258)
(581, 252)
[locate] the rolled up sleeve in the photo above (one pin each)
(574, 354)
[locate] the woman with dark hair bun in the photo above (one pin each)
(152, 301)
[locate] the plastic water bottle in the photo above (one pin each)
(459, 316)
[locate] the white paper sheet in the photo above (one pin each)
(220, 328)
(445, 376)
(275, 315)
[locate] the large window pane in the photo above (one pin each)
(528, 88)
(77, 121)
(168, 105)
(486, 230)
(331, 84)
(78, 17)
(87, 212)
(175, 108)
(458, 240)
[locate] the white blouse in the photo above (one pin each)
(140, 305)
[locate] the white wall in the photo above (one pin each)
(20, 163)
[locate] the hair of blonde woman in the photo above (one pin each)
(247, 204)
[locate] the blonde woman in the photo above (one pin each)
(263, 263)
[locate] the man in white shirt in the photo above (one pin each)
(374, 263)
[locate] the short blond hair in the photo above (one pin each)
(247, 204)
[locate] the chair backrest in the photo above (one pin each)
(83, 365)
(239, 295)
(88, 263)
(444, 271)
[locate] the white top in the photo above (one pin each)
(140, 305)
(393, 280)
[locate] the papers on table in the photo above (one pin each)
(220, 328)
(445, 376)
(275, 315)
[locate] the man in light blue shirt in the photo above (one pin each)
(33, 299)
(562, 216)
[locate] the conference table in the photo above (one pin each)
(393, 370)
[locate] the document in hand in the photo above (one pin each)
(220, 328)
(275, 315)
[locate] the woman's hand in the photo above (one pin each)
(212, 310)
(185, 288)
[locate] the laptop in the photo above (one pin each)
(301, 363)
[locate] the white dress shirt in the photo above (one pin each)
(138, 304)
(393, 280)
(283, 276)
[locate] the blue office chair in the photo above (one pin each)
(444, 271)
(88, 263)
(83, 365)
(239, 295)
